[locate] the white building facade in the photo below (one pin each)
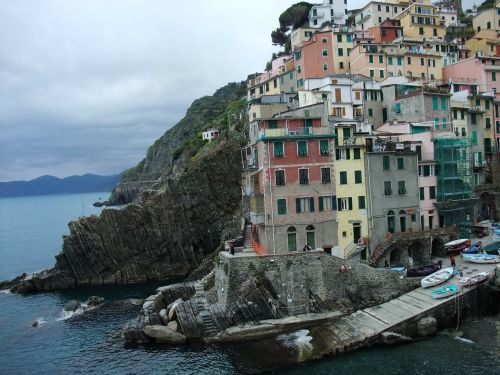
(333, 11)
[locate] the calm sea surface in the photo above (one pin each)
(30, 235)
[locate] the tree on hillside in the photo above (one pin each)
(487, 4)
(294, 17)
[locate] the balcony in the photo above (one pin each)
(476, 109)
(305, 132)
(257, 215)
(479, 164)
(317, 15)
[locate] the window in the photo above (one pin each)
(324, 40)
(400, 60)
(379, 8)
(340, 52)
(432, 192)
(386, 163)
(370, 112)
(299, 68)
(302, 148)
(493, 76)
(422, 193)
(281, 206)
(345, 204)
(401, 163)
(343, 178)
(325, 67)
(325, 52)
(391, 223)
(435, 105)
(324, 147)
(381, 59)
(387, 188)
(325, 175)
(327, 203)
(339, 38)
(421, 31)
(381, 73)
(389, 60)
(343, 154)
(408, 60)
(304, 176)
(357, 153)
(370, 59)
(361, 202)
(487, 104)
(305, 204)
(357, 177)
(372, 73)
(398, 107)
(341, 65)
(280, 177)
(443, 104)
(292, 239)
(278, 149)
(473, 119)
(422, 61)
(348, 38)
(401, 187)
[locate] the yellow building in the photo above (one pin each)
(300, 35)
(350, 188)
(342, 45)
(488, 19)
(421, 20)
(484, 43)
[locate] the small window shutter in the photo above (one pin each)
(348, 154)
(334, 203)
(357, 153)
(320, 202)
(339, 203)
(297, 205)
(337, 154)
(350, 203)
(311, 204)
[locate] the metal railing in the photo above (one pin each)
(295, 132)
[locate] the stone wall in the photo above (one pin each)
(301, 280)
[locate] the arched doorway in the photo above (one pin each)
(311, 236)
(437, 247)
(292, 239)
(416, 251)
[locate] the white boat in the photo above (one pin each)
(445, 291)
(456, 242)
(437, 277)
(481, 258)
(473, 279)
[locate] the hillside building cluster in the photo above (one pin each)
(390, 124)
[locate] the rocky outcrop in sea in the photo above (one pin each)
(167, 235)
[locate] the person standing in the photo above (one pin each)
(452, 260)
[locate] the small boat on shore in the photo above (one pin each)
(438, 277)
(445, 291)
(473, 249)
(492, 248)
(473, 279)
(482, 258)
(456, 246)
(423, 271)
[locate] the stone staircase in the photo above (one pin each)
(352, 249)
(248, 236)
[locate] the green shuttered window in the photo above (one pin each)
(279, 149)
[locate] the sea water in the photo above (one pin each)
(31, 231)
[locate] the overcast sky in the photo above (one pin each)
(86, 86)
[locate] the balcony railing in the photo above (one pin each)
(296, 132)
(476, 109)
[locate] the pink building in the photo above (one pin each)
(478, 75)
(420, 135)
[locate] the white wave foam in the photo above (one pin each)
(79, 311)
(464, 340)
(298, 338)
(5, 291)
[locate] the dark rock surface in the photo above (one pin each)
(168, 235)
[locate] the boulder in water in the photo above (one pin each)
(163, 316)
(427, 326)
(164, 335)
(71, 305)
(173, 325)
(94, 301)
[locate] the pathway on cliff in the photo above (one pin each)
(352, 331)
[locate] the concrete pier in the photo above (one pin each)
(399, 315)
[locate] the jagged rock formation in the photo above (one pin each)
(161, 160)
(168, 235)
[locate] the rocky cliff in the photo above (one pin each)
(168, 235)
(162, 158)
